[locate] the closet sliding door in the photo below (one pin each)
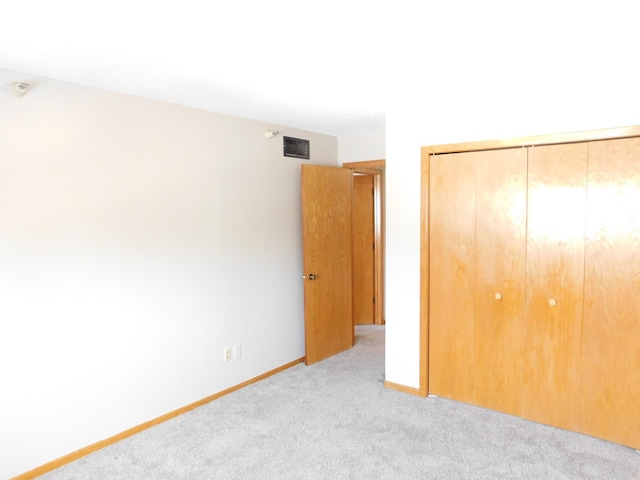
(501, 199)
(478, 246)
(610, 397)
(556, 215)
(452, 244)
(534, 278)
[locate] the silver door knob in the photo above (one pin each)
(312, 276)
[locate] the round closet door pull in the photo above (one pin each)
(553, 302)
(498, 296)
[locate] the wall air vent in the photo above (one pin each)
(296, 147)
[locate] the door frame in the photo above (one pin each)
(376, 168)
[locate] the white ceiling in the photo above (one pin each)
(317, 66)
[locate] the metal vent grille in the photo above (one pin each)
(296, 147)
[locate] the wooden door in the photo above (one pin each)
(555, 281)
(363, 250)
(452, 251)
(500, 253)
(610, 400)
(326, 231)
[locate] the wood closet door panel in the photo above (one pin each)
(610, 400)
(501, 213)
(452, 236)
(555, 281)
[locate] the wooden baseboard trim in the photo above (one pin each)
(47, 467)
(403, 388)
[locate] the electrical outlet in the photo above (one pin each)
(227, 354)
(237, 351)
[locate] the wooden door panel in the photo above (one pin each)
(610, 400)
(326, 230)
(378, 220)
(363, 251)
(501, 196)
(555, 281)
(452, 232)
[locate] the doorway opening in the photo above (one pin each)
(368, 228)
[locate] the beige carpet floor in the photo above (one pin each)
(335, 420)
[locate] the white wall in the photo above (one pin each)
(358, 147)
(137, 240)
(481, 71)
